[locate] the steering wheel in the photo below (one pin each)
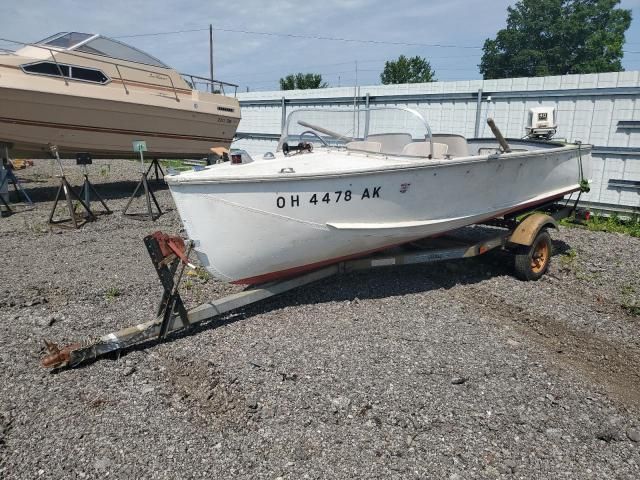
(311, 132)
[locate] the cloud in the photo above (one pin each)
(258, 61)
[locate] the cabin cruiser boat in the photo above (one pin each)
(89, 93)
(340, 187)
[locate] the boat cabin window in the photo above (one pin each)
(114, 49)
(69, 71)
(88, 75)
(46, 68)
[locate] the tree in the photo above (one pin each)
(302, 81)
(407, 70)
(557, 37)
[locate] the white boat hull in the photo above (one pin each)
(251, 231)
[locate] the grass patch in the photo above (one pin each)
(112, 293)
(630, 301)
(611, 223)
(200, 273)
(178, 165)
(569, 260)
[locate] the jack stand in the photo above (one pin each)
(7, 176)
(148, 194)
(88, 188)
(5, 208)
(66, 190)
(155, 164)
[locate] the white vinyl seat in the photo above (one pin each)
(365, 146)
(458, 146)
(423, 149)
(392, 143)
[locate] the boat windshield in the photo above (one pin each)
(99, 45)
(391, 127)
(115, 49)
(65, 40)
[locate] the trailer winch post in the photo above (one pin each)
(167, 254)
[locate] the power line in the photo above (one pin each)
(163, 33)
(300, 35)
(318, 37)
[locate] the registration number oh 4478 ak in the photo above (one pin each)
(325, 198)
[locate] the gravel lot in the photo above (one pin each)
(453, 371)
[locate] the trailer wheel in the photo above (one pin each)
(532, 262)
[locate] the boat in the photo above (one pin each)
(89, 93)
(340, 186)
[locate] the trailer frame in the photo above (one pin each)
(518, 232)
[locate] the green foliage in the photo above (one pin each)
(407, 70)
(177, 165)
(302, 81)
(557, 37)
(199, 273)
(611, 223)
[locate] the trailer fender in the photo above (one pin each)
(527, 230)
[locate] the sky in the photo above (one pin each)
(256, 42)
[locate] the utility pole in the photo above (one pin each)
(211, 54)
(355, 99)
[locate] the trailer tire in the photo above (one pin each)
(532, 262)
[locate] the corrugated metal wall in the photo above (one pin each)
(600, 109)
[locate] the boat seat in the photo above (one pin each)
(423, 149)
(458, 146)
(392, 143)
(365, 146)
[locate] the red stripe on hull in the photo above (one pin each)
(290, 272)
(132, 133)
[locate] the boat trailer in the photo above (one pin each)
(526, 237)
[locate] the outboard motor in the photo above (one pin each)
(542, 122)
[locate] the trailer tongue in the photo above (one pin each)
(528, 239)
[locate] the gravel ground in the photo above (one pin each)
(452, 371)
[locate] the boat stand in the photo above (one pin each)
(168, 253)
(8, 177)
(66, 191)
(149, 196)
(88, 189)
(155, 164)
